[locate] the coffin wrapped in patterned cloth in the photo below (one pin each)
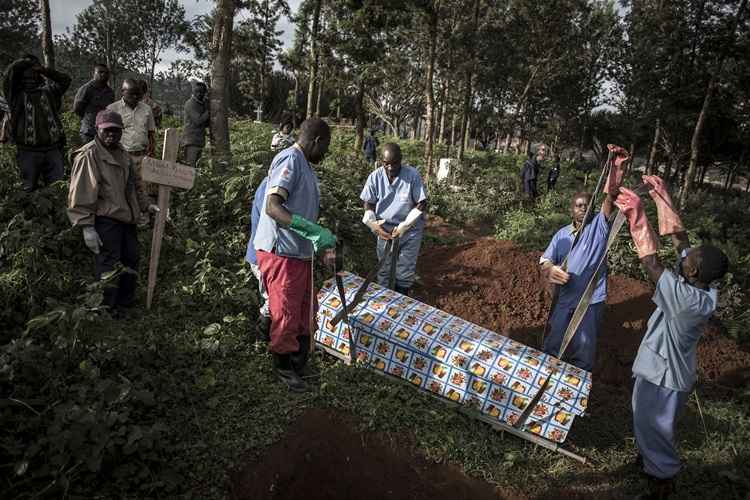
(453, 358)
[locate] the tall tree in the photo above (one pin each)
(264, 16)
(432, 14)
(19, 25)
(48, 49)
(314, 58)
(160, 25)
(221, 56)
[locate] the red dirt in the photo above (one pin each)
(498, 285)
(324, 457)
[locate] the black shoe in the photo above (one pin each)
(282, 367)
(403, 291)
(263, 329)
(300, 359)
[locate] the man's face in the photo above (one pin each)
(131, 95)
(319, 149)
(101, 75)
(199, 93)
(391, 162)
(287, 128)
(580, 204)
(109, 136)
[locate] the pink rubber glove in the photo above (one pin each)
(669, 220)
(646, 242)
(617, 171)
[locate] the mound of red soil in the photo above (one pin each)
(324, 457)
(497, 285)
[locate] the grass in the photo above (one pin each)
(215, 402)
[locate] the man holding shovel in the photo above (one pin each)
(395, 200)
(286, 241)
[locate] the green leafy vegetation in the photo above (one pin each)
(162, 403)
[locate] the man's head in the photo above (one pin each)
(109, 128)
(314, 139)
(101, 74)
(32, 75)
(131, 92)
(579, 205)
(199, 91)
(704, 264)
(287, 127)
(530, 154)
(372, 132)
(392, 159)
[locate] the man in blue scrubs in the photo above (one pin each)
(285, 242)
(583, 260)
(664, 369)
(264, 318)
(395, 200)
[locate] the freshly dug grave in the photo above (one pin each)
(324, 457)
(498, 285)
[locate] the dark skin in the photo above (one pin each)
(555, 274)
(690, 265)
(392, 166)
(131, 95)
(109, 137)
(33, 76)
(101, 76)
(199, 92)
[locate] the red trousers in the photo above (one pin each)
(288, 282)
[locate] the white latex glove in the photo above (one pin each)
(91, 238)
(371, 221)
(154, 209)
(411, 219)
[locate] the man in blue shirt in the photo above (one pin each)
(529, 174)
(664, 369)
(583, 260)
(395, 200)
(285, 244)
(264, 320)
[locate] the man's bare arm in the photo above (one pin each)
(653, 267)
(681, 242)
(275, 207)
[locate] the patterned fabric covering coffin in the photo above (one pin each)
(453, 358)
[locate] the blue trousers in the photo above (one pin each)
(33, 165)
(406, 266)
(655, 411)
(582, 349)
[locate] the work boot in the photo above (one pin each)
(263, 329)
(658, 489)
(299, 359)
(282, 367)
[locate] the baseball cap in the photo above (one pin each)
(107, 118)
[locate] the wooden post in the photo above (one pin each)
(167, 174)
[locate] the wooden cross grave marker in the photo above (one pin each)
(166, 173)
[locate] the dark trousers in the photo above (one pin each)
(119, 244)
(34, 164)
(192, 155)
(551, 184)
(529, 187)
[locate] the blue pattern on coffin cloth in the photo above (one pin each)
(453, 358)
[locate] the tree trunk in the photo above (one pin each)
(319, 97)
(429, 90)
(443, 112)
(695, 142)
(221, 50)
(651, 163)
(48, 50)
(314, 56)
(360, 104)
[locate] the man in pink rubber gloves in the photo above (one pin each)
(664, 369)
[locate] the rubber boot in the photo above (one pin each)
(282, 366)
(658, 489)
(300, 358)
(263, 329)
(403, 290)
